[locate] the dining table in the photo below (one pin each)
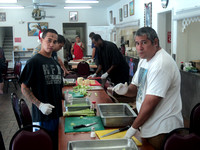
(74, 63)
(100, 96)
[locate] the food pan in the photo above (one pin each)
(69, 82)
(78, 104)
(116, 114)
(115, 144)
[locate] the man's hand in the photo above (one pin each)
(104, 76)
(45, 108)
(92, 75)
(121, 89)
(130, 132)
(73, 56)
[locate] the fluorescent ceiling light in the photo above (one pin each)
(11, 7)
(81, 7)
(8, 1)
(79, 1)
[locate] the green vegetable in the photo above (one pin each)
(81, 104)
(85, 112)
(95, 94)
(72, 124)
(82, 89)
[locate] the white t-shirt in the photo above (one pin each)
(159, 76)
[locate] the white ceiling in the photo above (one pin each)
(61, 3)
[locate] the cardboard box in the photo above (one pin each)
(196, 64)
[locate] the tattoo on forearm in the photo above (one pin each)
(29, 95)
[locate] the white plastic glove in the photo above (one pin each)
(104, 76)
(92, 75)
(45, 108)
(130, 132)
(121, 89)
(73, 56)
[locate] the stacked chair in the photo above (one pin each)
(12, 75)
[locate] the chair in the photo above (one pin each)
(2, 145)
(177, 141)
(24, 139)
(15, 105)
(195, 120)
(21, 111)
(25, 114)
(83, 69)
(13, 77)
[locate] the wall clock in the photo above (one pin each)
(164, 3)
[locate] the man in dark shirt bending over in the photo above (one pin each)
(111, 61)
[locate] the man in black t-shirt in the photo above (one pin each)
(111, 61)
(42, 83)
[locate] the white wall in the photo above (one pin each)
(173, 5)
(139, 15)
(13, 17)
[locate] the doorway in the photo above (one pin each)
(70, 31)
(164, 30)
(6, 42)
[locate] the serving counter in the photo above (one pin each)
(99, 97)
(190, 85)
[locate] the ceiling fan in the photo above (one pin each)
(39, 13)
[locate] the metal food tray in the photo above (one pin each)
(115, 144)
(116, 115)
(75, 104)
(69, 82)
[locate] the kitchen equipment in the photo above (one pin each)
(116, 114)
(95, 83)
(76, 94)
(94, 78)
(77, 112)
(94, 88)
(119, 135)
(69, 82)
(116, 144)
(73, 121)
(83, 125)
(116, 131)
(76, 103)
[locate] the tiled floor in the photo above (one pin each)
(8, 123)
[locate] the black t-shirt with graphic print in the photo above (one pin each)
(44, 76)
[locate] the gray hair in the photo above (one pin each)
(149, 32)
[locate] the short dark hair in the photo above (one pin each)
(91, 34)
(48, 30)
(149, 32)
(97, 37)
(77, 36)
(61, 39)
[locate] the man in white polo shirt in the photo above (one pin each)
(156, 85)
